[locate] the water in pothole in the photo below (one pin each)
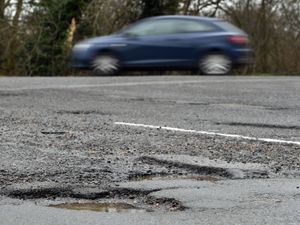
(100, 207)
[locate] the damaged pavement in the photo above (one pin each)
(65, 161)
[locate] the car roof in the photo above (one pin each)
(202, 18)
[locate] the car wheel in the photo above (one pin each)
(106, 64)
(215, 64)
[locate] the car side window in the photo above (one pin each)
(189, 26)
(141, 29)
(164, 27)
(157, 27)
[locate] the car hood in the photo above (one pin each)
(102, 39)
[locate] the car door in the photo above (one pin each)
(157, 43)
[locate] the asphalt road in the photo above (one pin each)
(262, 107)
(59, 135)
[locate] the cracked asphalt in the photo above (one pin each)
(62, 131)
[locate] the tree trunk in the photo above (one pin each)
(19, 7)
(186, 6)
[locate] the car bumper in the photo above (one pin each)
(81, 59)
(243, 57)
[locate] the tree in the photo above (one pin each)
(45, 47)
(272, 26)
(9, 32)
(159, 7)
(36, 35)
(151, 8)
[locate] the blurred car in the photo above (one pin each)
(209, 45)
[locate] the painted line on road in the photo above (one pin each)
(269, 140)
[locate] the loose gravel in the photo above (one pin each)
(69, 136)
(92, 151)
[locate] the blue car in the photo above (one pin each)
(209, 45)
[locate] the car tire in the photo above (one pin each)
(215, 64)
(105, 65)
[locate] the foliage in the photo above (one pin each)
(35, 33)
(44, 48)
(159, 7)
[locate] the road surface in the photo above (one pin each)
(172, 140)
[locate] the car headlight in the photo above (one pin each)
(82, 46)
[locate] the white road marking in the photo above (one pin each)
(124, 84)
(269, 140)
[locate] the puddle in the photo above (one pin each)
(100, 207)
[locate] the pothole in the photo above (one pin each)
(100, 207)
(281, 108)
(84, 112)
(11, 94)
(202, 170)
(175, 177)
(206, 170)
(54, 132)
(109, 200)
(260, 125)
